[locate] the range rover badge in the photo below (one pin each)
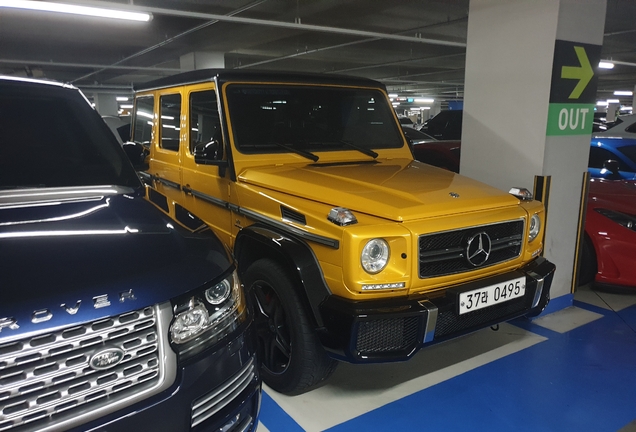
(106, 358)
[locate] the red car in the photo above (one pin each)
(608, 256)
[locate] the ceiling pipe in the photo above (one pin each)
(172, 39)
(85, 65)
(316, 50)
(279, 24)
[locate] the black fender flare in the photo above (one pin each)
(260, 241)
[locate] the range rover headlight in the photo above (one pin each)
(207, 315)
(375, 256)
(535, 227)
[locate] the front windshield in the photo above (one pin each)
(51, 137)
(310, 119)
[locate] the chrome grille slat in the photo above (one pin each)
(55, 377)
(208, 405)
(444, 253)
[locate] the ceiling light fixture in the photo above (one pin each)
(605, 65)
(393, 95)
(75, 9)
(423, 100)
(122, 99)
(623, 93)
(609, 101)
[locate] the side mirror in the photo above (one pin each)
(137, 154)
(612, 167)
(204, 153)
(210, 153)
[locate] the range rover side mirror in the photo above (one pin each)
(210, 153)
(137, 153)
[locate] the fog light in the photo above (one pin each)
(189, 324)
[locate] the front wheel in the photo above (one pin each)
(293, 360)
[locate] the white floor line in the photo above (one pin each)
(354, 390)
(261, 428)
(567, 319)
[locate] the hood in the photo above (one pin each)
(61, 249)
(619, 195)
(399, 189)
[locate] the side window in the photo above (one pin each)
(205, 123)
(142, 131)
(170, 118)
(600, 155)
(631, 128)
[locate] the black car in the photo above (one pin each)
(447, 125)
(113, 315)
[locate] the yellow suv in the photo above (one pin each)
(349, 249)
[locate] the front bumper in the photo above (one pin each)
(393, 330)
(217, 390)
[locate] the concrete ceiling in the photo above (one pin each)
(414, 46)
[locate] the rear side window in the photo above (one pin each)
(599, 155)
(629, 151)
(170, 116)
(142, 132)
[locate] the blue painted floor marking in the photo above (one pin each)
(274, 418)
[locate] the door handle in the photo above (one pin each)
(187, 190)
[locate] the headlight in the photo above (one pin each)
(375, 256)
(207, 315)
(626, 220)
(535, 227)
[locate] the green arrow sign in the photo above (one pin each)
(583, 73)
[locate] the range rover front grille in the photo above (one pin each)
(48, 379)
(445, 253)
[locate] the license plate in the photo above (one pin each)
(491, 295)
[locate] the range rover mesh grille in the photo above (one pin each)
(444, 253)
(48, 377)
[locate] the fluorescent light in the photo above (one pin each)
(75, 9)
(393, 95)
(627, 108)
(623, 93)
(609, 101)
(605, 65)
(424, 100)
(601, 103)
(126, 106)
(122, 99)
(395, 103)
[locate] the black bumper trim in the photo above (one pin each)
(395, 329)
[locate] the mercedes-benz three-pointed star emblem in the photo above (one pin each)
(478, 249)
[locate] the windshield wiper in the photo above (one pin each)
(363, 150)
(303, 153)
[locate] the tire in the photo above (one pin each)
(588, 266)
(292, 359)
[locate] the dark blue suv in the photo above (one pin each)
(113, 315)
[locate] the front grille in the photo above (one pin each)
(213, 402)
(386, 335)
(445, 253)
(47, 378)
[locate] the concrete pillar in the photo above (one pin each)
(529, 102)
(612, 111)
(435, 109)
(106, 104)
(202, 60)
(634, 99)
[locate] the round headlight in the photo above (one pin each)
(535, 227)
(375, 256)
(218, 293)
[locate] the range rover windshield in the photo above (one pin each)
(310, 119)
(50, 137)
